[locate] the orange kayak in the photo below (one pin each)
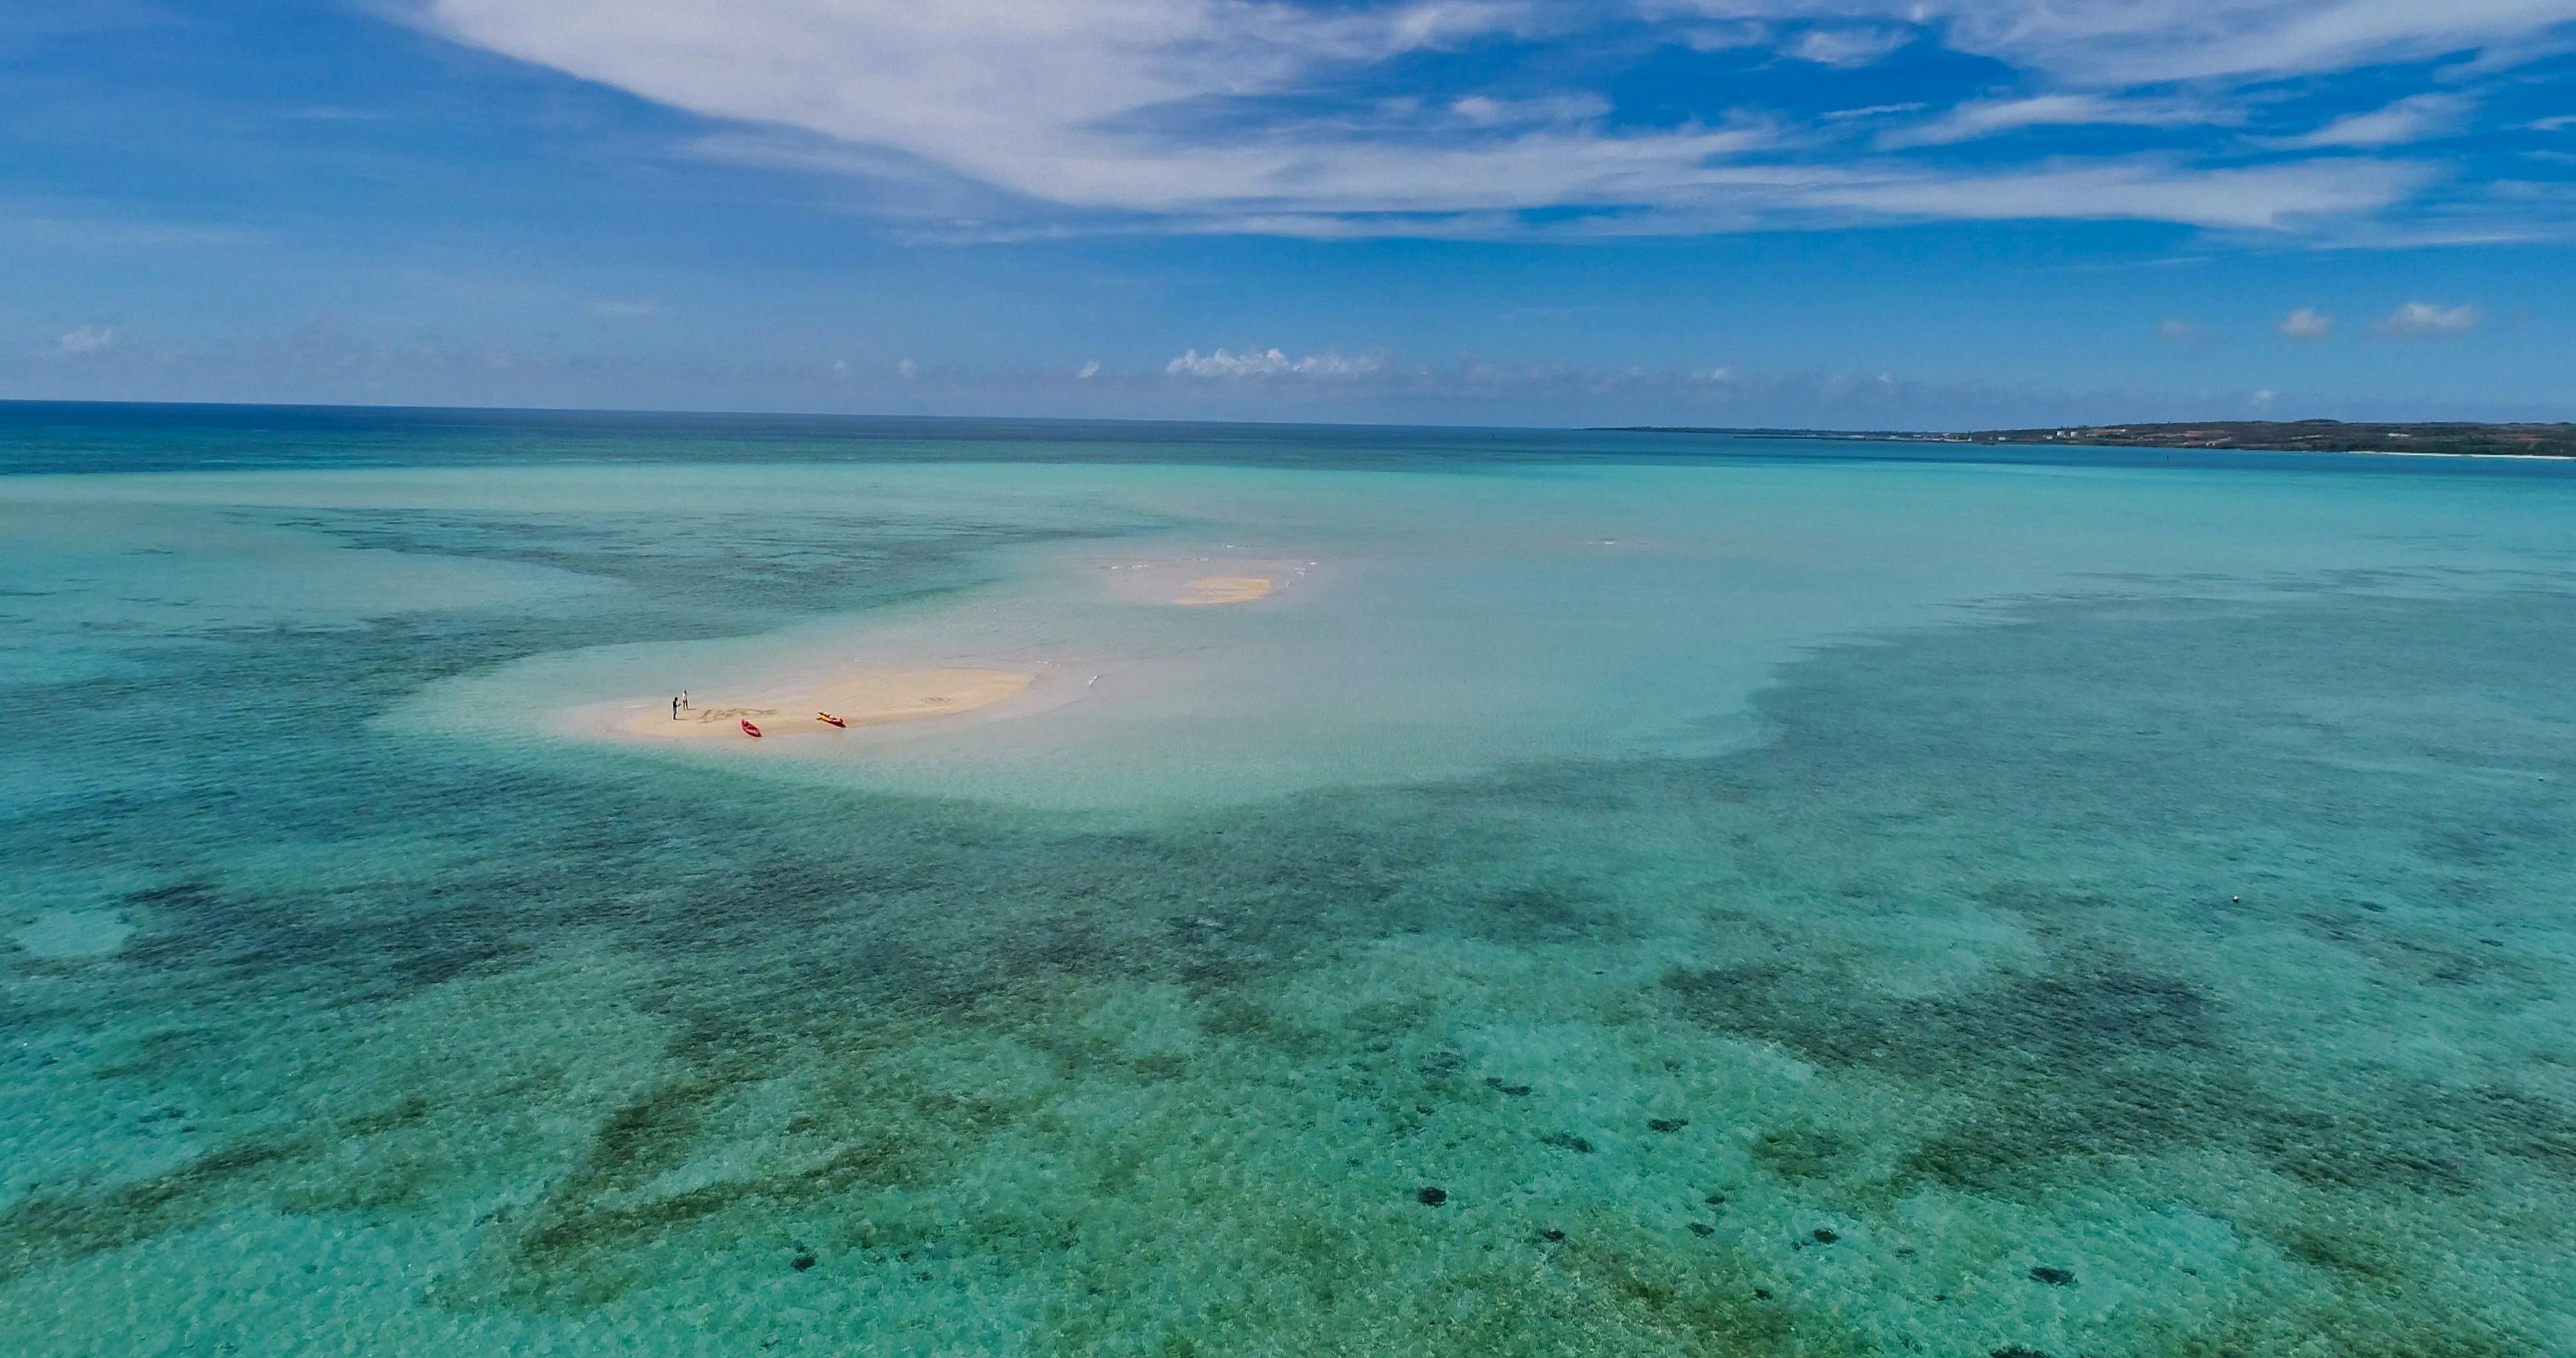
(751, 730)
(829, 720)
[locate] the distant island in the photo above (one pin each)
(2287, 436)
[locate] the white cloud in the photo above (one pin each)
(1089, 370)
(1044, 97)
(2265, 198)
(88, 339)
(1967, 122)
(2419, 118)
(1269, 363)
(1566, 110)
(2305, 323)
(1864, 46)
(907, 370)
(1845, 115)
(2425, 318)
(1715, 36)
(2174, 331)
(1226, 115)
(2140, 42)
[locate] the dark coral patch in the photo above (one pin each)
(1801, 1152)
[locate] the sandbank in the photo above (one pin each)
(1209, 580)
(1225, 589)
(877, 698)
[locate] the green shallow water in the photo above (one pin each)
(1895, 908)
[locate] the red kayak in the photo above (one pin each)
(751, 730)
(829, 720)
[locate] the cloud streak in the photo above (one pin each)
(1995, 117)
(2419, 118)
(1275, 116)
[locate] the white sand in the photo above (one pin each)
(1203, 580)
(1225, 589)
(795, 710)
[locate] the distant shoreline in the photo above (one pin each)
(2426, 439)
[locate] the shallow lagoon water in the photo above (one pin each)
(1783, 904)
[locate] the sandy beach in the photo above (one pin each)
(874, 699)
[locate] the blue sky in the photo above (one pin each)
(1861, 213)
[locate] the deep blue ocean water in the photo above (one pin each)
(1623, 894)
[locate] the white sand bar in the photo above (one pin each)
(789, 711)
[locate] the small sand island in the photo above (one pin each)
(1203, 581)
(875, 699)
(1225, 589)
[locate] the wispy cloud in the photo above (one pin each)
(2144, 42)
(622, 311)
(2415, 119)
(1992, 117)
(1864, 45)
(2265, 198)
(1564, 110)
(2305, 323)
(1873, 111)
(1270, 115)
(2425, 318)
(88, 339)
(1029, 95)
(2150, 41)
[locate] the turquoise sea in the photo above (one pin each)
(1621, 894)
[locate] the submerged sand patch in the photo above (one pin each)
(874, 699)
(1225, 589)
(1206, 580)
(56, 935)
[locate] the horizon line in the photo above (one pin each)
(15, 403)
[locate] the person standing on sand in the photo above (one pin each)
(684, 697)
(675, 709)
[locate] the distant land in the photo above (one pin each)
(2287, 436)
